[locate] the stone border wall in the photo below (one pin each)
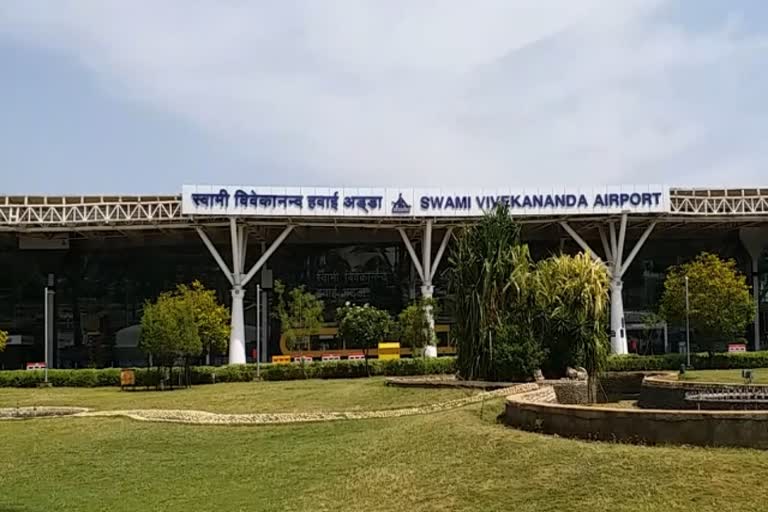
(536, 411)
(568, 391)
(666, 392)
(623, 385)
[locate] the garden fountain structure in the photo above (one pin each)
(669, 411)
(736, 398)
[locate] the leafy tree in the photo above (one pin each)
(719, 300)
(168, 331)
(363, 326)
(211, 318)
(413, 324)
(651, 321)
(3, 340)
(300, 313)
(572, 303)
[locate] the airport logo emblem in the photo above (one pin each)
(400, 206)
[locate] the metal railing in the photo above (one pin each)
(18, 213)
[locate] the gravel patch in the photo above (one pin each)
(209, 418)
(20, 413)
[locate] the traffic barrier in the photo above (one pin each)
(389, 350)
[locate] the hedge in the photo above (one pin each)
(354, 369)
(700, 361)
(236, 373)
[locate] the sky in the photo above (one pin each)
(140, 97)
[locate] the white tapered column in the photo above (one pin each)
(617, 267)
(237, 331)
(426, 268)
(239, 279)
(618, 333)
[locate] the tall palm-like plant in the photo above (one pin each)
(490, 273)
(572, 300)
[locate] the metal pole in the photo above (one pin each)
(258, 331)
(687, 325)
(45, 336)
(756, 295)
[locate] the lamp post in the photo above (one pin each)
(687, 326)
(258, 331)
(47, 333)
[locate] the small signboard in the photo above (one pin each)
(737, 347)
(127, 378)
(389, 350)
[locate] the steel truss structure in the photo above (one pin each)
(728, 202)
(66, 213)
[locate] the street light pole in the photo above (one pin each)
(687, 325)
(46, 334)
(258, 331)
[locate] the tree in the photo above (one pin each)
(651, 321)
(413, 324)
(3, 340)
(572, 303)
(363, 327)
(719, 300)
(300, 313)
(168, 331)
(490, 285)
(211, 318)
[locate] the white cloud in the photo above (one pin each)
(431, 92)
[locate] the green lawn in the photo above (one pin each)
(759, 376)
(240, 397)
(450, 461)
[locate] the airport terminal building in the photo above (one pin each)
(102, 257)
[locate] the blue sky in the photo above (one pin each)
(140, 97)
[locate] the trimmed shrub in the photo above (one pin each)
(700, 361)
(235, 373)
(634, 363)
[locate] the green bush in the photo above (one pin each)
(355, 369)
(700, 361)
(730, 360)
(631, 363)
(236, 373)
(516, 362)
(517, 354)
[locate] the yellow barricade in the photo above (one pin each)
(281, 359)
(389, 350)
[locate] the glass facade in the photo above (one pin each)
(101, 284)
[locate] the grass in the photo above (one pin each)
(450, 461)
(759, 376)
(240, 397)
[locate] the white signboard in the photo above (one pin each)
(224, 200)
